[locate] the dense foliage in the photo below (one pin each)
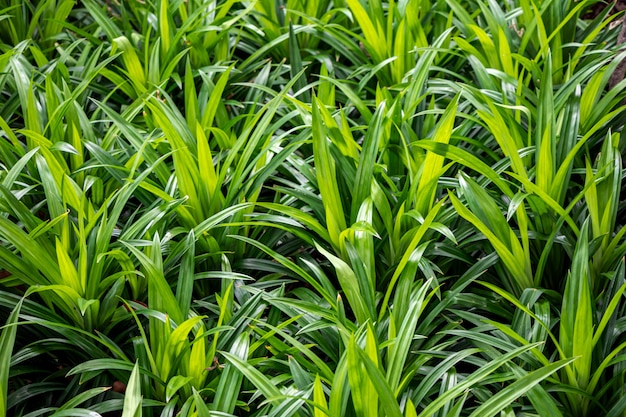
(311, 208)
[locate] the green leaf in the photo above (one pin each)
(133, 397)
(327, 179)
(7, 340)
(260, 381)
(520, 387)
(229, 385)
(408, 254)
(174, 384)
(349, 284)
(319, 399)
(432, 166)
(576, 326)
(474, 378)
(131, 62)
(399, 348)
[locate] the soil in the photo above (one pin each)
(596, 9)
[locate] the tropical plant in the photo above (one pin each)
(324, 208)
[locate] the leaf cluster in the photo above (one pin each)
(323, 208)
